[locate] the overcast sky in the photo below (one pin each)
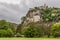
(26, 4)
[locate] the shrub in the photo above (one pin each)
(6, 33)
(32, 31)
(10, 33)
(3, 33)
(55, 30)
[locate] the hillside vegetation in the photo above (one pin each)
(49, 16)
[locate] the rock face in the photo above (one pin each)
(33, 16)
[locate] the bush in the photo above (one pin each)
(3, 33)
(6, 33)
(5, 30)
(32, 31)
(4, 24)
(10, 33)
(55, 30)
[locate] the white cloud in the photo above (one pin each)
(11, 1)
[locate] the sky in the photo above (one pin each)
(25, 5)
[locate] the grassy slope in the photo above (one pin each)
(29, 38)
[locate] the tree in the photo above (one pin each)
(55, 30)
(10, 33)
(5, 30)
(4, 24)
(46, 15)
(32, 30)
(6, 33)
(13, 26)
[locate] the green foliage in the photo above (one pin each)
(46, 14)
(3, 33)
(50, 14)
(55, 30)
(32, 30)
(5, 30)
(10, 33)
(6, 33)
(13, 26)
(3, 24)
